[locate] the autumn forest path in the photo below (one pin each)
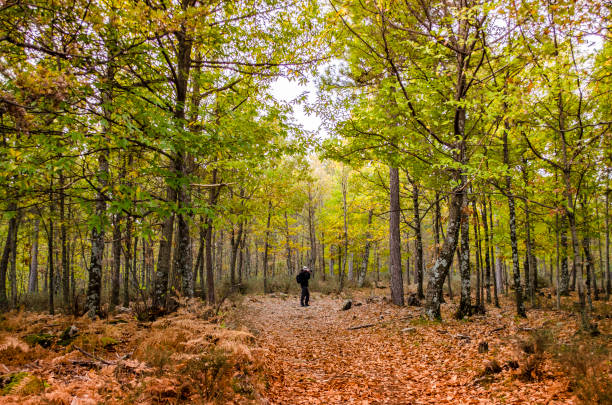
(312, 357)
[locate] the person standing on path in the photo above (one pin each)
(302, 278)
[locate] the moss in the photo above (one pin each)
(106, 341)
(43, 339)
(34, 386)
(21, 383)
(68, 336)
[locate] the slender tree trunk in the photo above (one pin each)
(496, 276)
(377, 265)
(589, 269)
(312, 230)
(600, 251)
(13, 269)
(436, 229)
(127, 262)
(478, 255)
(607, 268)
(50, 251)
(418, 243)
(465, 300)
(199, 265)
(331, 261)
(520, 306)
(485, 225)
(345, 230)
(33, 276)
(116, 265)
(558, 289)
(164, 257)
(266, 247)
(235, 241)
(363, 270)
(408, 256)
(213, 194)
(323, 255)
(445, 259)
(64, 246)
(395, 254)
(288, 246)
(219, 253)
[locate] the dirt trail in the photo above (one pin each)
(314, 359)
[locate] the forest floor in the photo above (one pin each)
(314, 357)
(269, 350)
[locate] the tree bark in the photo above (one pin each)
(63, 243)
(312, 231)
(127, 262)
(50, 252)
(607, 268)
(363, 270)
(266, 247)
(445, 258)
(345, 234)
(116, 265)
(478, 256)
(487, 251)
(235, 242)
(418, 243)
(213, 194)
(164, 257)
(465, 300)
(287, 245)
(520, 306)
(33, 276)
(395, 254)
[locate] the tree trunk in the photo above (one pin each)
(520, 306)
(13, 269)
(199, 264)
(33, 276)
(287, 245)
(127, 262)
(487, 251)
(331, 261)
(323, 255)
(465, 300)
(589, 269)
(266, 246)
(116, 265)
(219, 254)
(363, 270)
(312, 231)
(213, 194)
(235, 242)
(478, 255)
(64, 246)
(345, 235)
(445, 259)
(418, 243)
(607, 268)
(395, 253)
(50, 252)
(164, 257)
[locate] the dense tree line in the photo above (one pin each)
(144, 157)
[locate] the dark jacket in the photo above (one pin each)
(302, 278)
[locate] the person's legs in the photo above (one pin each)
(303, 296)
(306, 296)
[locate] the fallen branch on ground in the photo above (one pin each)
(93, 356)
(367, 325)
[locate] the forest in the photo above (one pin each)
(442, 168)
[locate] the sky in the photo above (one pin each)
(288, 91)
